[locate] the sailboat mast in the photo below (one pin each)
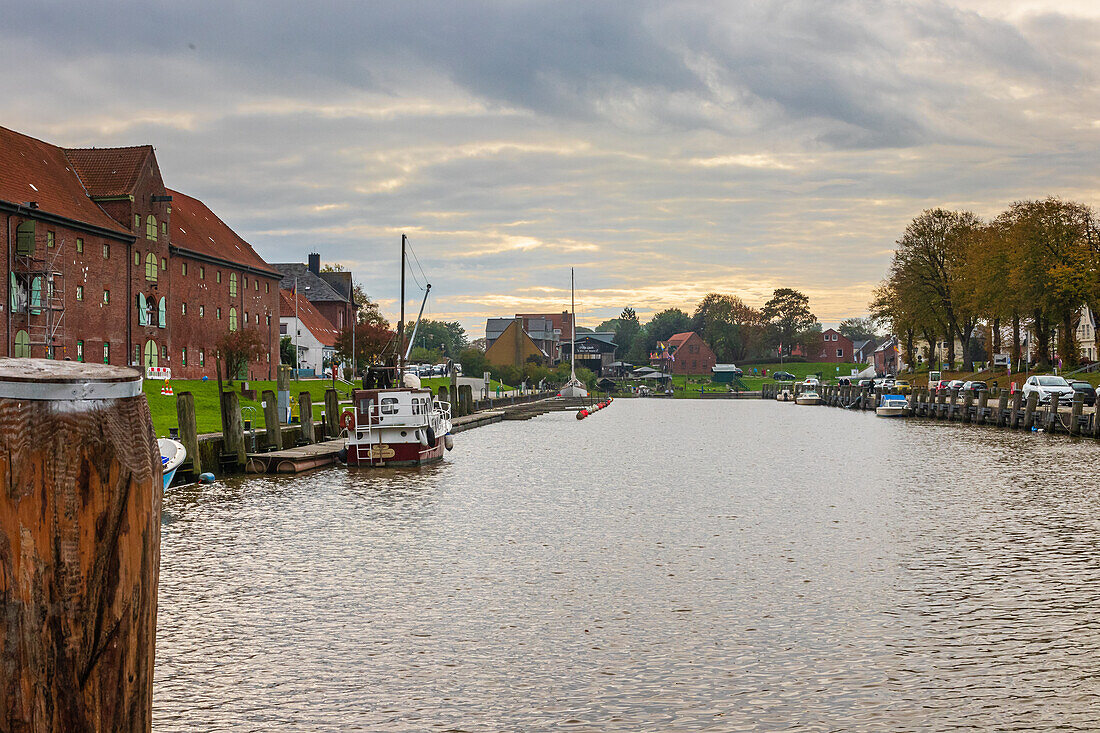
(401, 321)
(573, 321)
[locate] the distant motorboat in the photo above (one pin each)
(808, 395)
(784, 393)
(893, 405)
(172, 454)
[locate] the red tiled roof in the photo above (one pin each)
(109, 171)
(310, 317)
(32, 170)
(195, 227)
(677, 340)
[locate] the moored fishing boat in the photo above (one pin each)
(395, 421)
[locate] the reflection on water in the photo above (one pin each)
(686, 565)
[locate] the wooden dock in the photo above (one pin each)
(318, 455)
(295, 460)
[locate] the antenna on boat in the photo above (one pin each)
(573, 321)
(401, 321)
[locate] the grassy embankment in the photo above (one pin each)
(207, 417)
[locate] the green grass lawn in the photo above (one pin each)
(208, 418)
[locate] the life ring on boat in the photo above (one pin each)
(430, 435)
(347, 420)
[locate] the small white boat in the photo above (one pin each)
(808, 395)
(784, 393)
(172, 454)
(893, 405)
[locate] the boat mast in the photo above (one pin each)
(412, 336)
(401, 322)
(573, 337)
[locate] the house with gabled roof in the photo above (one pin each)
(684, 353)
(311, 333)
(102, 269)
(329, 292)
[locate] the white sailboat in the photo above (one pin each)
(574, 387)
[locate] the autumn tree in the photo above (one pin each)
(237, 348)
(370, 342)
(728, 325)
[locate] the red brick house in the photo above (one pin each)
(690, 354)
(102, 269)
(835, 348)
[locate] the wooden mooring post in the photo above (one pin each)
(1002, 408)
(968, 402)
(1029, 410)
(332, 413)
(189, 433)
(271, 420)
(80, 512)
(305, 417)
(983, 407)
(233, 437)
(1075, 413)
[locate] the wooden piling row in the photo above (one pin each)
(1011, 411)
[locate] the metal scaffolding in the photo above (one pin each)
(38, 300)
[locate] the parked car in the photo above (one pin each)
(974, 386)
(783, 377)
(903, 387)
(1048, 387)
(1086, 389)
(866, 383)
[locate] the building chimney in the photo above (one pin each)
(315, 263)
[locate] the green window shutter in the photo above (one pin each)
(24, 239)
(163, 313)
(142, 309)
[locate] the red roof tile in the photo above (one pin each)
(677, 340)
(109, 171)
(311, 318)
(195, 227)
(32, 170)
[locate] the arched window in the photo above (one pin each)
(152, 267)
(162, 315)
(143, 310)
(22, 344)
(151, 227)
(232, 319)
(232, 285)
(151, 355)
(36, 296)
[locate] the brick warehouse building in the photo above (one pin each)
(107, 265)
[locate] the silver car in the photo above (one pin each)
(1048, 386)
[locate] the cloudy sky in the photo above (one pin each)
(664, 149)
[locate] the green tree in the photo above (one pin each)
(370, 343)
(660, 328)
(446, 337)
(626, 332)
(858, 329)
(473, 362)
(286, 351)
(789, 314)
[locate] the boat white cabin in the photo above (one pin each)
(808, 394)
(396, 427)
(893, 405)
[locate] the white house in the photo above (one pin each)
(304, 325)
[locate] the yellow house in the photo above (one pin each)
(513, 347)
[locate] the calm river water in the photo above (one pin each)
(660, 566)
